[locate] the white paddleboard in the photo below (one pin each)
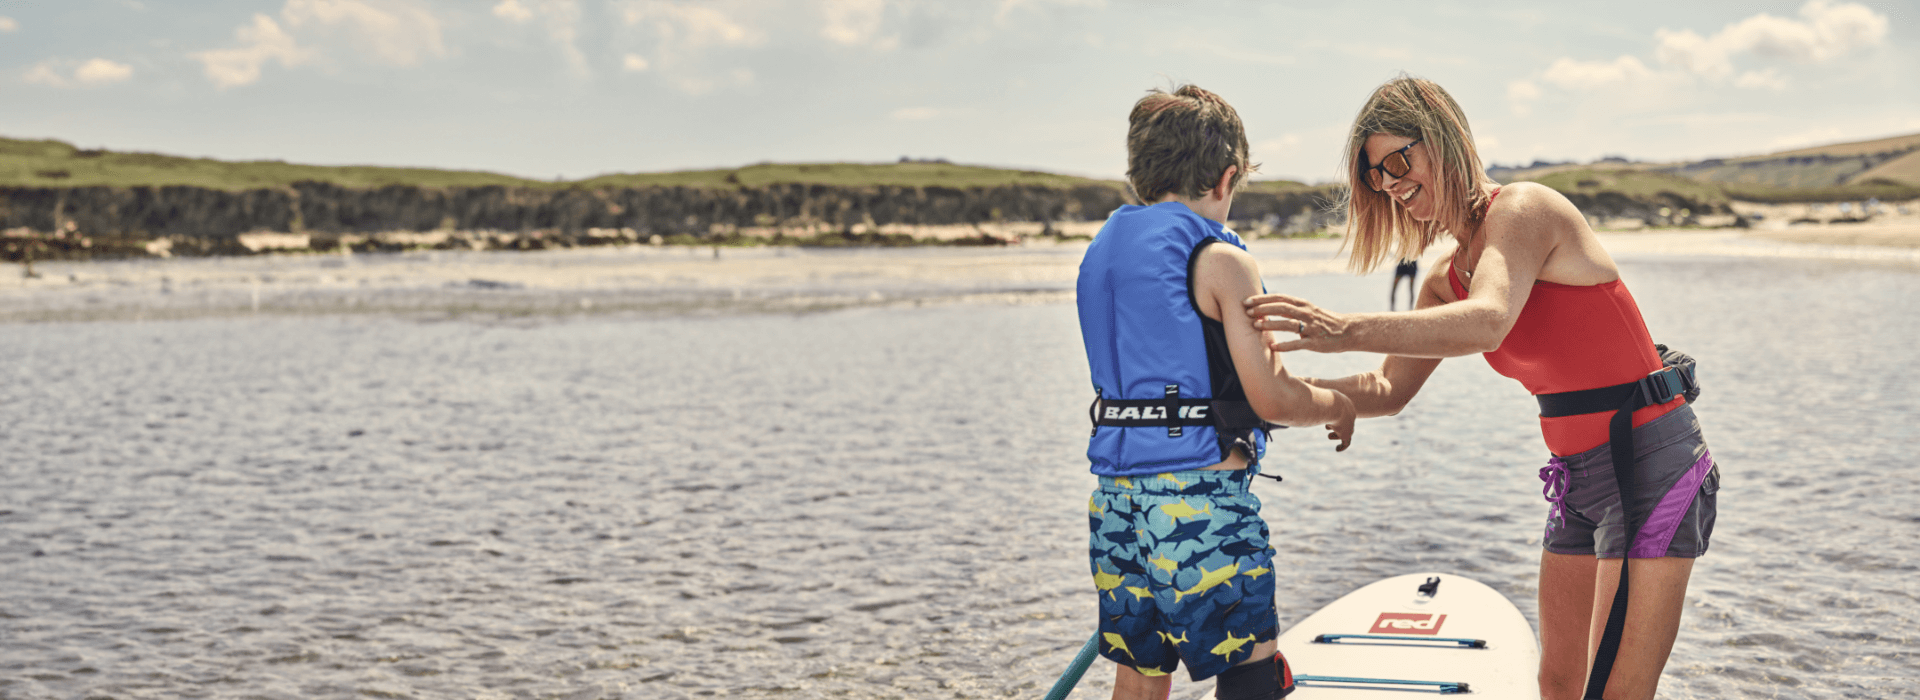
(1464, 634)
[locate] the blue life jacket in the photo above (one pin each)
(1167, 397)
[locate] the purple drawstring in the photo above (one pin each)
(1555, 474)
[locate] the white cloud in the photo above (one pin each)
(512, 11)
(44, 73)
(854, 22)
(562, 25)
(1575, 75)
(1520, 96)
(398, 33)
(89, 73)
(9, 24)
(915, 113)
(100, 71)
(686, 37)
(1757, 79)
(261, 42)
(690, 25)
(1007, 7)
(1825, 32)
(394, 32)
(634, 63)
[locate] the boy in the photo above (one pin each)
(1183, 401)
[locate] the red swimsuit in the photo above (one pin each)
(1570, 338)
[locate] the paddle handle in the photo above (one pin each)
(1078, 668)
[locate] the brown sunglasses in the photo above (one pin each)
(1395, 164)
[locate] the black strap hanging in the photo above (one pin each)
(1676, 378)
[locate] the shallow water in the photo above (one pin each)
(874, 502)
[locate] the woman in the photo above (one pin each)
(1530, 286)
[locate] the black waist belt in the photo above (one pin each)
(1656, 388)
(1676, 378)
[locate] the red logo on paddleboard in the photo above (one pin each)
(1407, 623)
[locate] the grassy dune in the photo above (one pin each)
(1635, 184)
(49, 163)
(903, 174)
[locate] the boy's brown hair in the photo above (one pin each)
(1180, 142)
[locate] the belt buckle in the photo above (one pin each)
(1661, 386)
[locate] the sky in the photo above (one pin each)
(570, 89)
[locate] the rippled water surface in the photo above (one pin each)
(872, 502)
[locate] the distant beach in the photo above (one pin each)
(671, 280)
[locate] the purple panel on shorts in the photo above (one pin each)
(1654, 536)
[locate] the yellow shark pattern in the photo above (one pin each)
(1256, 573)
(1106, 582)
(1116, 642)
(1170, 639)
(1227, 648)
(1149, 672)
(1164, 564)
(1139, 592)
(1093, 506)
(1208, 579)
(1169, 477)
(1123, 482)
(1182, 510)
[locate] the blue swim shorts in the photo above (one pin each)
(1183, 569)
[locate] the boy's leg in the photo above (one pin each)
(1130, 684)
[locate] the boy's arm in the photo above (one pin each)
(1383, 392)
(1222, 277)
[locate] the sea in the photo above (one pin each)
(878, 497)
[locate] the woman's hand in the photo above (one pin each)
(1320, 330)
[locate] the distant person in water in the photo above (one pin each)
(1185, 390)
(1408, 269)
(1530, 286)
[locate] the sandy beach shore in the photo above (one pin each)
(656, 280)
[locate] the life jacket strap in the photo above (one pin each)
(1174, 412)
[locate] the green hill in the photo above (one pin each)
(50, 163)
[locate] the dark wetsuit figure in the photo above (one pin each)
(1409, 269)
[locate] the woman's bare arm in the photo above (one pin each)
(1519, 239)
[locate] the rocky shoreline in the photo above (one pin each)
(100, 222)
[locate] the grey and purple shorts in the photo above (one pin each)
(1675, 482)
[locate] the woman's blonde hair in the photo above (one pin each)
(1414, 108)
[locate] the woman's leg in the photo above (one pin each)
(1654, 602)
(1566, 608)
